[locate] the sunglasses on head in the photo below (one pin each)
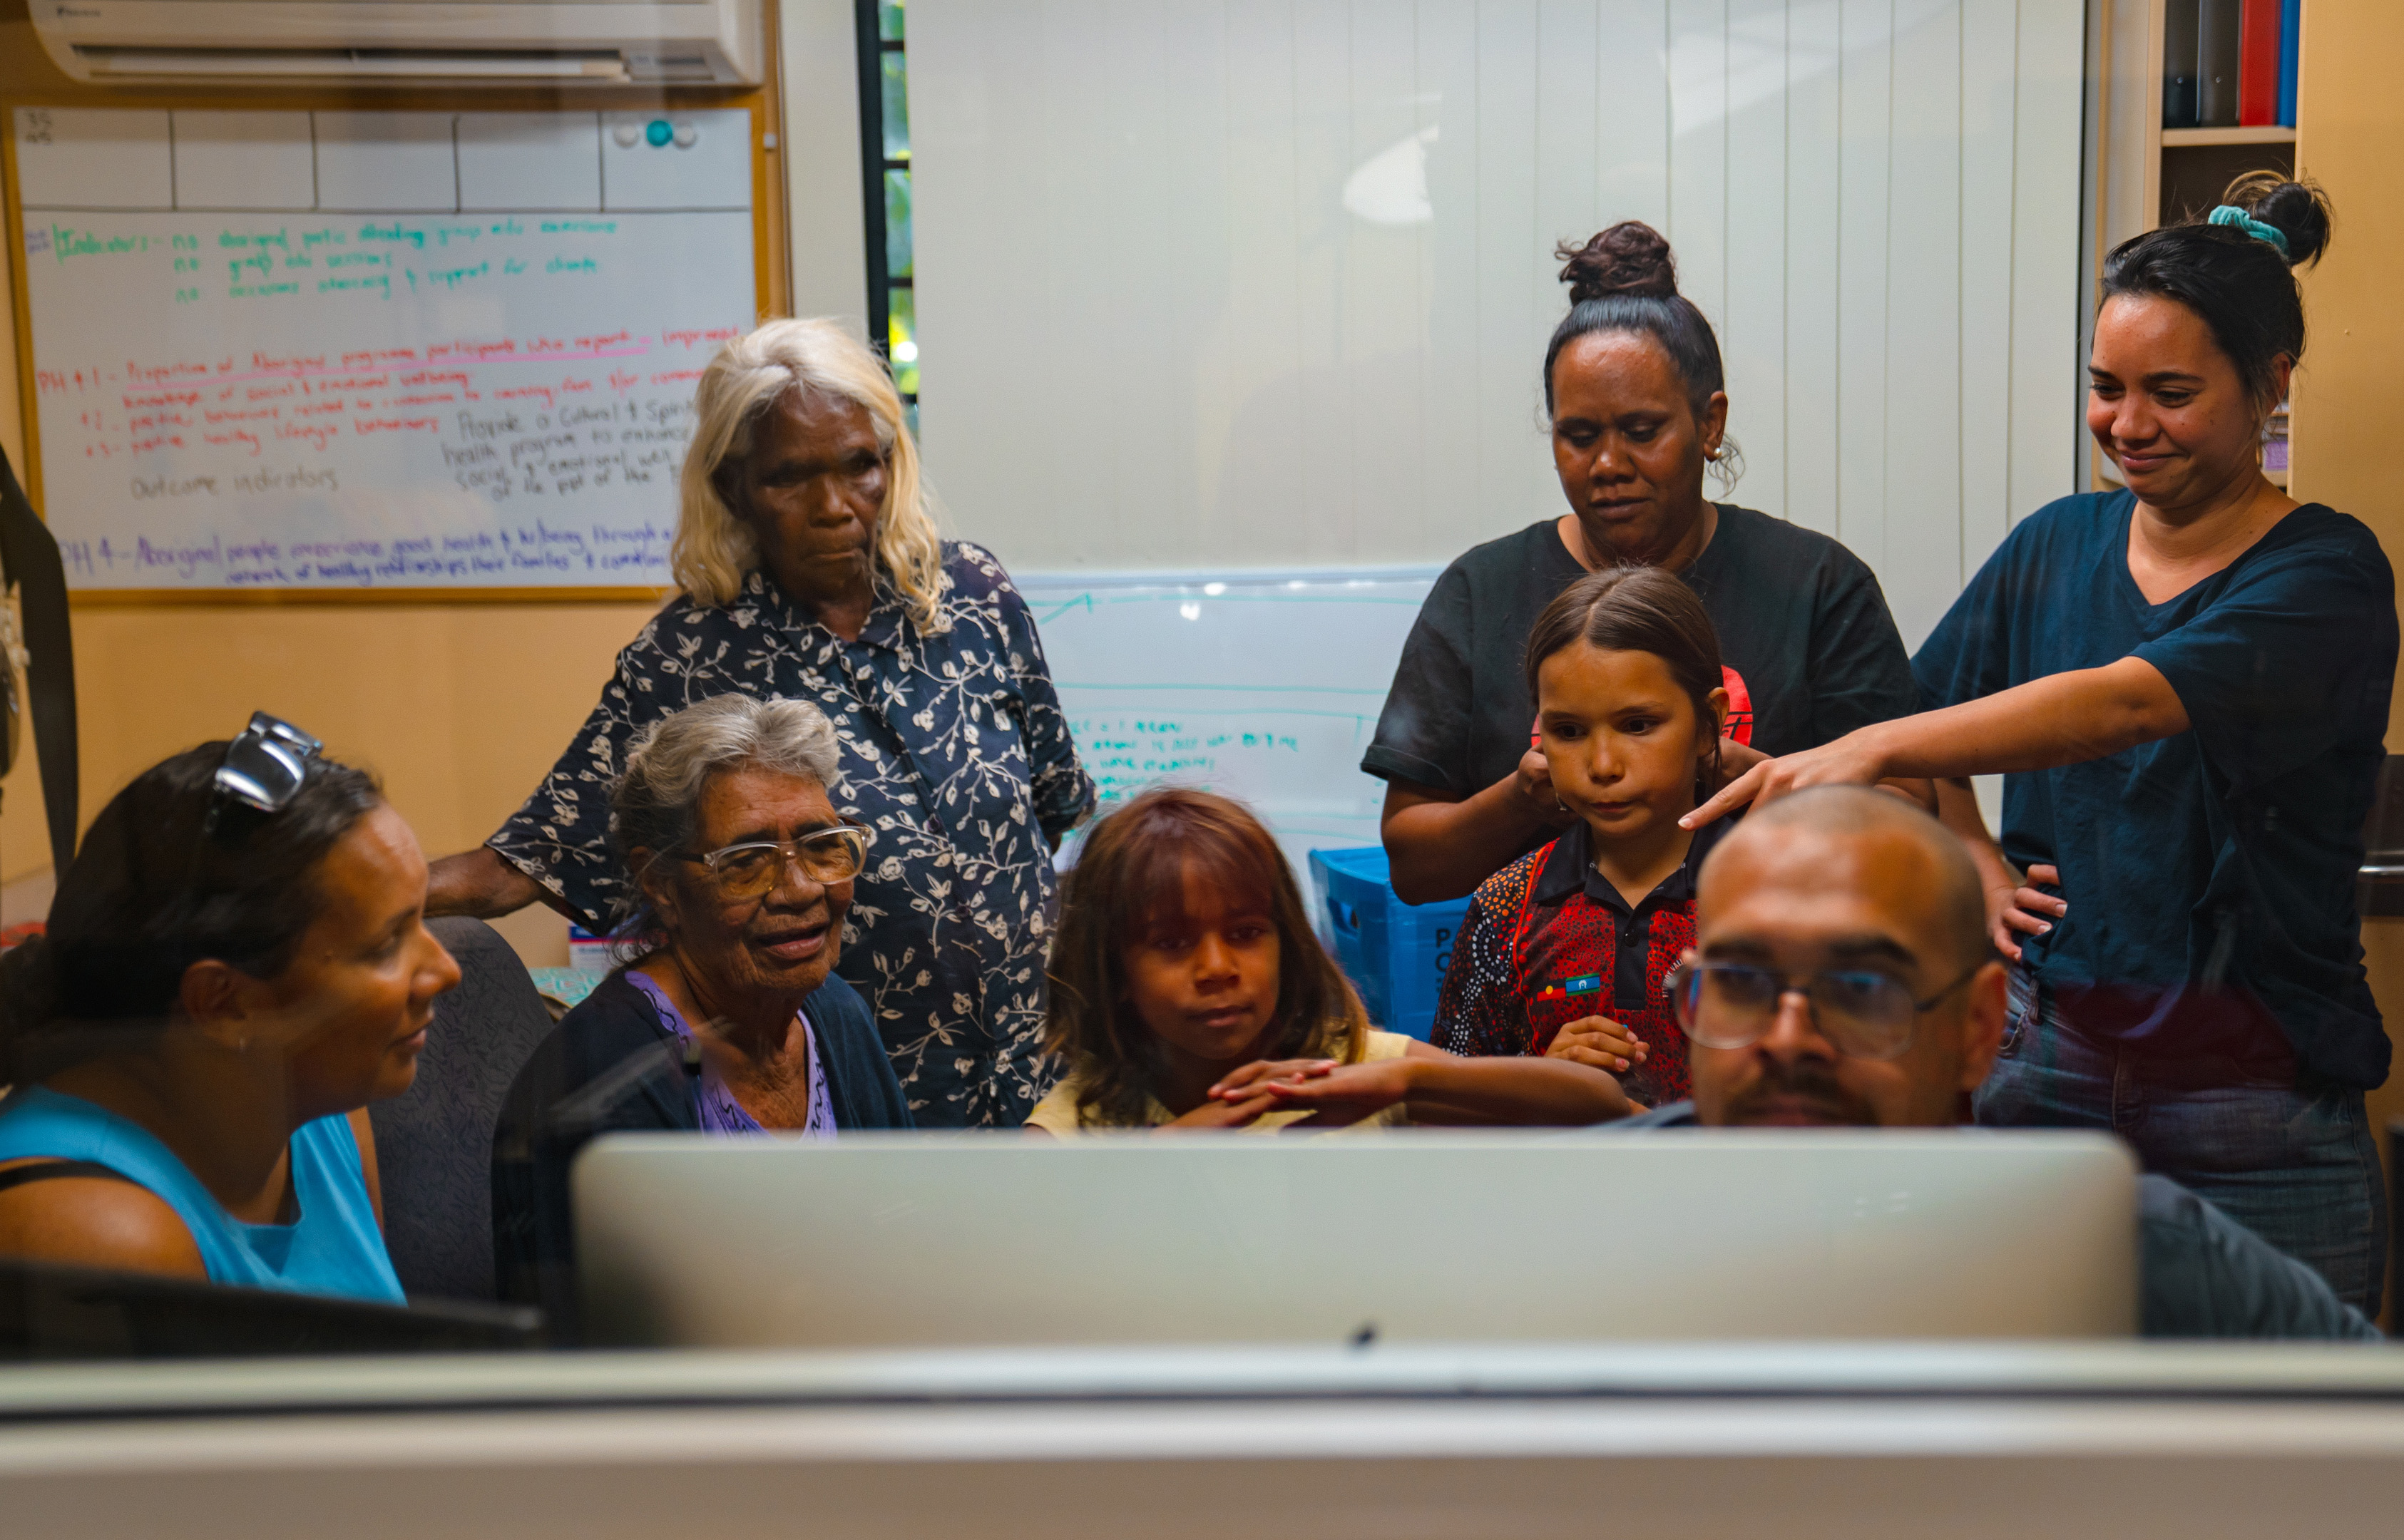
(263, 767)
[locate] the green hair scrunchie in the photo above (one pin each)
(2237, 218)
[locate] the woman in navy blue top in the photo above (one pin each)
(235, 964)
(2186, 682)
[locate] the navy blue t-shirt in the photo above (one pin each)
(2219, 864)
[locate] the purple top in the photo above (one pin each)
(721, 1112)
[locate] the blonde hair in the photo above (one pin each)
(714, 551)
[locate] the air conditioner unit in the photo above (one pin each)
(404, 42)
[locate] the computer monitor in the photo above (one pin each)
(969, 1240)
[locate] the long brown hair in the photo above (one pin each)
(1130, 875)
(1636, 608)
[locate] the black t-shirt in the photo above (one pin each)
(1800, 620)
(2218, 863)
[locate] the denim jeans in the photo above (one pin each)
(2292, 1160)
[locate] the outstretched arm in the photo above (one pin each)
(2062, 719)
(479, 883)
(1443, 1087)
(1736, 758)
(1554, 1092)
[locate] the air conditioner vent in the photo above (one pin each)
(355, 63)
(404, 42)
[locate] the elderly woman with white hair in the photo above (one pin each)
(811, 570)
(726, 1019)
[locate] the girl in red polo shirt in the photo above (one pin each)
(1564, 952)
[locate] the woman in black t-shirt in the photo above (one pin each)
(1635, 390)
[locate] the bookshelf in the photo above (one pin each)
(2188, 168)
(2188, 138)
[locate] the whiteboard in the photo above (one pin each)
(1264, 686)
(1308, 246)
(358, 351)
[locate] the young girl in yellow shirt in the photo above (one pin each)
(1189, 992)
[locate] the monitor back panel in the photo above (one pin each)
(969, 1240)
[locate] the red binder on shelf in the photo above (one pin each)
(2258, 64)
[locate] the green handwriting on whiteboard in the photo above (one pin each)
(258, 262)
(67, 242)
(1123, 753)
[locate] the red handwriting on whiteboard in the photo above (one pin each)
(311, 401)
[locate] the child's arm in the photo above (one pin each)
(1599, 1043)
(1449, 1088)
(1443, 1087)
(1269, 1069)
(1235, 1111)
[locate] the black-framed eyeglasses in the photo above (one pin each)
(1866, 1015)
(755, 867)
(264, 765)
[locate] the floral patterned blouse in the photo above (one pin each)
(953, 749)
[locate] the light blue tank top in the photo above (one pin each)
(334, 1247)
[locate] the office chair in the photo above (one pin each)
(434, 1143)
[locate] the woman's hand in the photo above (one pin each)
(1533, 781)
(2014, 907)
(1852, 760)
(1736, 758)
(1599, 1043)
(1442, 845)
(2017, 908)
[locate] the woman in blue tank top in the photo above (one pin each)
(235, 966)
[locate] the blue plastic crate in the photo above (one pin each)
(1395, 953)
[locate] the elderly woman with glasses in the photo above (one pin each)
(727, 1019)
(809, 568)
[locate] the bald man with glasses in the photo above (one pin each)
(1841, 977)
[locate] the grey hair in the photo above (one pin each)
(655, 804)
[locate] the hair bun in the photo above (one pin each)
(1630, 257)
(2297, 210)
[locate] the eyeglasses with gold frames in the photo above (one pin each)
(754, 868)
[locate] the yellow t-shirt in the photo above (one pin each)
(1058, 1113)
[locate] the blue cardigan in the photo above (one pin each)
(534, 1243)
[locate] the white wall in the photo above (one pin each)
(1187, 298)
(818, 64)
